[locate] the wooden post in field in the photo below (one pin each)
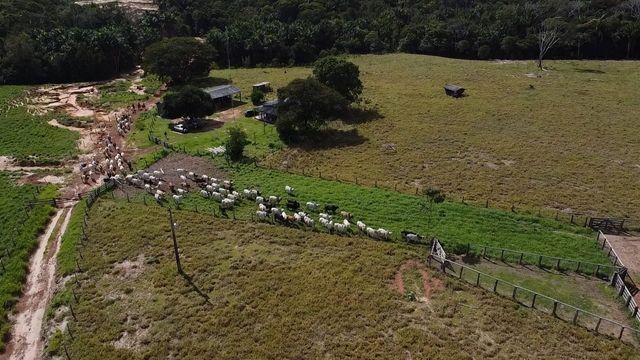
(621, 331)
(598, 325)
(66, 352)
(578, 268)
(175, 242)
(73, 313)
(520, 261)
(555, 308)
(515, 290)
(533, 301)
(558, 264)
(462, 268)
(495, 286)
(575, 316)
(478, 280)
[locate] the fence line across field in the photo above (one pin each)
(606, 247)
(542, 261)
(520, 294)
(535, 300)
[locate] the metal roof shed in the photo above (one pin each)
(222, 91)
(453, 90)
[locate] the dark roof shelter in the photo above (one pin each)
(222, 91)
(454, 90)
(268, 112)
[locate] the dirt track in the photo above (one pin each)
(26, 341)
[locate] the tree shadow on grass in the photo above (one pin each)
(331, 138)
(361, 116)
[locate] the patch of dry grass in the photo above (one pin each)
(260, 291)
(563, 140)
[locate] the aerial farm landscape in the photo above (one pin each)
(287, 179)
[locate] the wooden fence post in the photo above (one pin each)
(520, 261)
(462, 268)
(598, 324)
(558, 264)
(575, 317)
(513, 295)
(596, 272)
(502, 255)
(555, 307)
(495, 286)
(66, 352)
(478, 283)
(73, 313)
(533, 301)
(621, 331)
(540, 261)
(578, 268)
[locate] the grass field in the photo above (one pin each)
(20, 228)
(29, 138)
(454, 223)
(115, 95)
(259, 291)
(562, 141)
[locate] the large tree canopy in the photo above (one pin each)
(306, 105)
(340, 75)
(190, 102)
(179, 59)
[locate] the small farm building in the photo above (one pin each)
(222, 92)
(264, 86)
(268, 112)
(453, 90)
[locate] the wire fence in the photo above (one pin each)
(606, 247)
(604, 271)
(403, 186)
(535, 300)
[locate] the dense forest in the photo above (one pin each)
(55, 40)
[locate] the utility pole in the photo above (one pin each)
(175, 242)
(226, 31)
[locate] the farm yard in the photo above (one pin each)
(221, 179)
(245, 282)
(357, 288)
(558, 140)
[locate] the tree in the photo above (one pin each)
(257, 97)
(179, 59)
(234, 147)
(190, 101)
(340, 75)
(547, 38)
(306, 105)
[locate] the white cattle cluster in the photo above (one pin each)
(330, 220)
(115, 164)
(123, 123)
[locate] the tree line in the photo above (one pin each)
(56, 40)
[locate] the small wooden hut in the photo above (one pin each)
(454, 90)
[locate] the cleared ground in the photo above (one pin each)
(260, 291)
(563, 140)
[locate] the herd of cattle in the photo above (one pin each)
(268, 207)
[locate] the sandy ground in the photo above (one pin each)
(430, 284)
(27, 342)
(628, 250)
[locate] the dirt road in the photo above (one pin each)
(26, 340)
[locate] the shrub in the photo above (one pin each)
(484, 52)
(235, 143)
(257, 97)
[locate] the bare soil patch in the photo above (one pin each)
(430, 284)
(130, 269)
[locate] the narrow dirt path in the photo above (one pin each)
(26, 341)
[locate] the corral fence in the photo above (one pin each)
(605, 271)
(624, 284)
(607, 225)
(535, 300)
